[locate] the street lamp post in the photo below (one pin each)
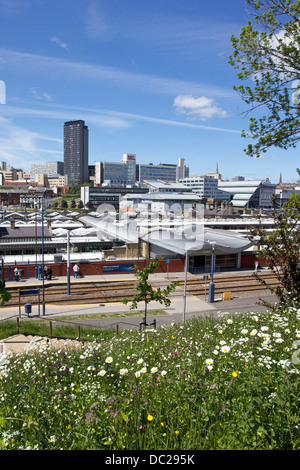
(68, 262)
(36, 270)
(211, 291)
(185, 280)
(43, 262)
(139, 243)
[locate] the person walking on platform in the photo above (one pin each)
(75, 270)
(40, 273)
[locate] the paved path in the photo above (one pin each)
(194, 305)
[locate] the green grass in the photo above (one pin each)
(227, 383)
(59, 328)
(131, 313)
(63, 325)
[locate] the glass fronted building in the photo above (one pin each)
(129, 172)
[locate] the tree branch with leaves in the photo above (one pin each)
(5, 296)
(281, 251)
(267, 56)
(146, 292)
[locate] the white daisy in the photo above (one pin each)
(209, 361)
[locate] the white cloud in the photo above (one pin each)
(202, 108)
(60, 43)
(95, 21)
(52, 66)
(19, 145)
(11, 8)
(35, 91)
(113, 120)
(98, 118)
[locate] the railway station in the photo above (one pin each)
(211, 259)
(206, 262)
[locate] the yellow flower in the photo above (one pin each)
(234, 373)
(149, 417)
(162, 424)
(68, 426)
(164, 434)
(176, 432)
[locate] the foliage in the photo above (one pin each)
(76, 188)
(214, 383)
(270, 59)
(89, 205)
(146, 293)
(5, 296)
(280, 248)
(64, 204)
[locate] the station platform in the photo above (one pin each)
(173, 276)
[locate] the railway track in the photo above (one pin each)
(115, 291)
(83, 293)
(247, 283)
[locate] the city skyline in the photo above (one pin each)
(148, 79)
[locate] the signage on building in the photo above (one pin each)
(113, 268)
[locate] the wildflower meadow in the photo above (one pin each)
(230, 382)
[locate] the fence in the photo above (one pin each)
(61, 329)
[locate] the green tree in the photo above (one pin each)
(267, 56)
(4, 295)
(281, 250)
(146, 293)
(89, 205)
(64, 204)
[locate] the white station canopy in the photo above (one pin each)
(186, 238)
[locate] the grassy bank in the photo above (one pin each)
(212, 384)
(60, 327)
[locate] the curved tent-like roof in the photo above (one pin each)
(189, 238)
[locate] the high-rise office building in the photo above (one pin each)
(76, 152)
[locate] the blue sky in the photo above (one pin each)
(149, 77)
